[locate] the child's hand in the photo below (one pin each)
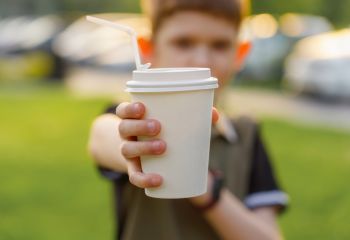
(131, 126)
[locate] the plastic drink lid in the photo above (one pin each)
(171, 80)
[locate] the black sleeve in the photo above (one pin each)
(108, 173)
(111, 174)
(111, 108)
(263, 188)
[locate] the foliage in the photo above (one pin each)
(335, 10)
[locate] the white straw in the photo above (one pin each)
(129, 31)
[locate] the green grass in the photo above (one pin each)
(313, 165)
(49, 188)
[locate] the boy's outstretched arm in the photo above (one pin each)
(104, 141)
(112, 144)
(232, 220)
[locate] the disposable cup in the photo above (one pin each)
(181, 99)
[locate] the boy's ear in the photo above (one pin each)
(242, 52)
(146, 48)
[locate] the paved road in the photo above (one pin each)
(307, 110)
(239, 101)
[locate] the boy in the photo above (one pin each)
(191, 33)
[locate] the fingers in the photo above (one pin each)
(132, 126)
(140, 179)
(129, 128)
(215, 115)
(132, 149)
(130, 110)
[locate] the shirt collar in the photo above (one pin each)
(225, 128)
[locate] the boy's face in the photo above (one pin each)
(194, 39)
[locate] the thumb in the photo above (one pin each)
(214, 115)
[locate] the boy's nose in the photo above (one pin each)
(201, 57)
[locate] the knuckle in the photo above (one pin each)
(124, 148)
(122, 128)
(131, 178)
(135, 179)
(121, 109)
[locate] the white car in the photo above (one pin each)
(321, 65)
(272, 41)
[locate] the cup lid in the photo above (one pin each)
(171, 79)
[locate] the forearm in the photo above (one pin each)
(232, 220)
(104, 141)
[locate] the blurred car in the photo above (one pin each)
(25, 47)
(100, 59)
(320, 65)
(272, 41)
(299, 26)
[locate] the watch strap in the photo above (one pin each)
(218, 182)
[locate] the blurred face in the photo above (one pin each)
(194, 39)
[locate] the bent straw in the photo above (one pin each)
(129, 31)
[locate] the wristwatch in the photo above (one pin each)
(218, 183)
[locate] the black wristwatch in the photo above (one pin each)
(218, 183)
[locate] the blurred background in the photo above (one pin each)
(58, 72)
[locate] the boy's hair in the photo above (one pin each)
(158, 10)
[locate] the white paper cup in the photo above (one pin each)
(181, 99)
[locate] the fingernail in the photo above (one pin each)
(151, 126)
(136, 108)
(157, 146)
(155, 181)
